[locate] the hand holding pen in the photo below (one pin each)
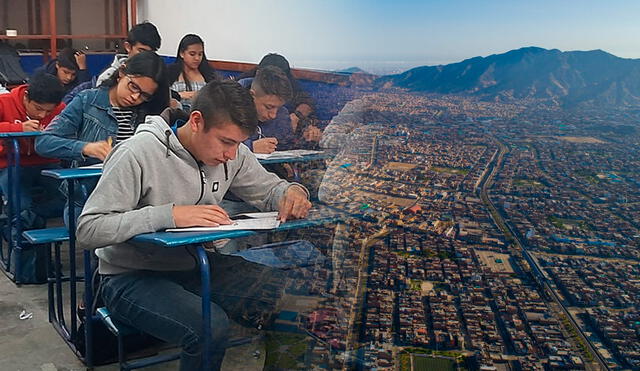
(199, 216)
(31, 125)
(265, 145)
(98, 150)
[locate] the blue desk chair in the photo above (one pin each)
(54, 237)
(282, 255)
(13, 197)
(122, 331)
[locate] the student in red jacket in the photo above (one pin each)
(30, 108)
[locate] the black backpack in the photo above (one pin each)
(11, 72)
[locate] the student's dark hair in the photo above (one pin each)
(226, 100)
(67, 59)
(144, 33)
(147, 64)
(272, 81)
(176, 68)
(271, 59)
(277, 60)
(45, 88)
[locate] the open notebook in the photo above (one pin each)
(286, 154)
(246, 221)
(94, 166)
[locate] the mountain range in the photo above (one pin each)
(352, 70)
(563, 78)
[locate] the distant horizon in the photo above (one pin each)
(393, 36)
(397, 66)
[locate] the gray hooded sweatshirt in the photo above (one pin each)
(143, 177)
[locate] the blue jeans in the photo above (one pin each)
(167, 306)
(82, 191)
(65, 214)
(33, 213)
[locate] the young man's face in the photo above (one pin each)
(36, 110)
(65, 75)
(267, 106)
(219, 144)
(136, 48)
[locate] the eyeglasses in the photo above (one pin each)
(135, 89)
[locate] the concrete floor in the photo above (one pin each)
(33, 344)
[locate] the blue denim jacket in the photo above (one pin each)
(88, 118)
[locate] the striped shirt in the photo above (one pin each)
(125, 128)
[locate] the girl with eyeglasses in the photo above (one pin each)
(96, 119)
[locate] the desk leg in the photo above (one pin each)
(72, 259)
(57, 266)
(88, 313)
(50, 287)
(15, 210)
(6, 260)
(203, 262)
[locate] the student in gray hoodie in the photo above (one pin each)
(165, 177)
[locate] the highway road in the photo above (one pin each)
(506, 228)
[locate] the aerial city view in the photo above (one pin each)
(499, 218)
(480, 166)
(498, 235)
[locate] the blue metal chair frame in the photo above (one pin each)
(13, 198)
(120, 330)
(56, 316)
(116, 328)
(69, 334)
(54, 237)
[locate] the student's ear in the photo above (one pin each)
(57, 65)
(121, 71)
(127, 47)
(252, 92)
(196, 121)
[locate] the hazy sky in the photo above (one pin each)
(398, 34)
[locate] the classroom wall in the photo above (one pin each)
(16, 18)
(240, 31)
(89, 17)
